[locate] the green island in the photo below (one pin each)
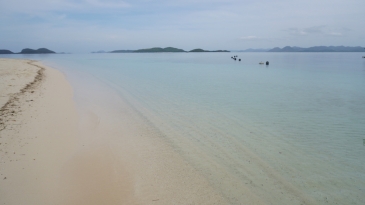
(158, 50)
(164, 50)
(197, 50)
(29, 51)
(5, 52)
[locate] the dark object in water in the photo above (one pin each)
(267, 62)
(363, 57)
(239, 59)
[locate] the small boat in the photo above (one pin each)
(363, 57)
(261, 63)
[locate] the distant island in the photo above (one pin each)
(158, 50)
(6, 52)
(319, 49)
(38, 51)
(149, 50)
(29, 51)
(201, 50)
(121, 51)
(101, 51)
(162, 50)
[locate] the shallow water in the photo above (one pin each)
(288, 133)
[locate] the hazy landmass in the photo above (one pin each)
(197, 50)
(162, 50)
(150, 50)
(29, 51)
(201, 50)
(122, 51)
(101, 51)
(38, 51)
(319, 49)
(6, 52)
(158, 49)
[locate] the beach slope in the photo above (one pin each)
(38, 125)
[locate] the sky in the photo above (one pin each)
(82, 26)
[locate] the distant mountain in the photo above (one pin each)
(6, 52)
(319, 49)
(201, 50)
(38, 51)
(122, 51)
(158, 50)
(276, 49)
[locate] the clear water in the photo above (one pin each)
(289, 133)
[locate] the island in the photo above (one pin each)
(29, 51)
(198, 50)
(101, 51)
(122, 51)
(163, 50)
(38, 51)
(6, 52)
(319, 49)
(159, 50)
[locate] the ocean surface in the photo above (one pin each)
(292, 132)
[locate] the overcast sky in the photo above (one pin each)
(91, 25)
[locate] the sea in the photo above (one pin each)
(291, 132)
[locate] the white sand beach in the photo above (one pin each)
(38, 130)
(51, 155)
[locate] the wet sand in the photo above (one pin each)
(52, 153)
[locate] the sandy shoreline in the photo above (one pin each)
(37, 132)
(53, 154)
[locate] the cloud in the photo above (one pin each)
(318, 30)
(296, 31)
(228, 24)
(249, 38)
(314, 30)
(36, 6)
(107, 4)
(335, 34)
(307, 31)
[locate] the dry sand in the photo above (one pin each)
(38, 131)
(53, 154)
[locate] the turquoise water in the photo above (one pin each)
(291, 132)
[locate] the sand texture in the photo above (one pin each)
(38, 129)
(52, 153)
